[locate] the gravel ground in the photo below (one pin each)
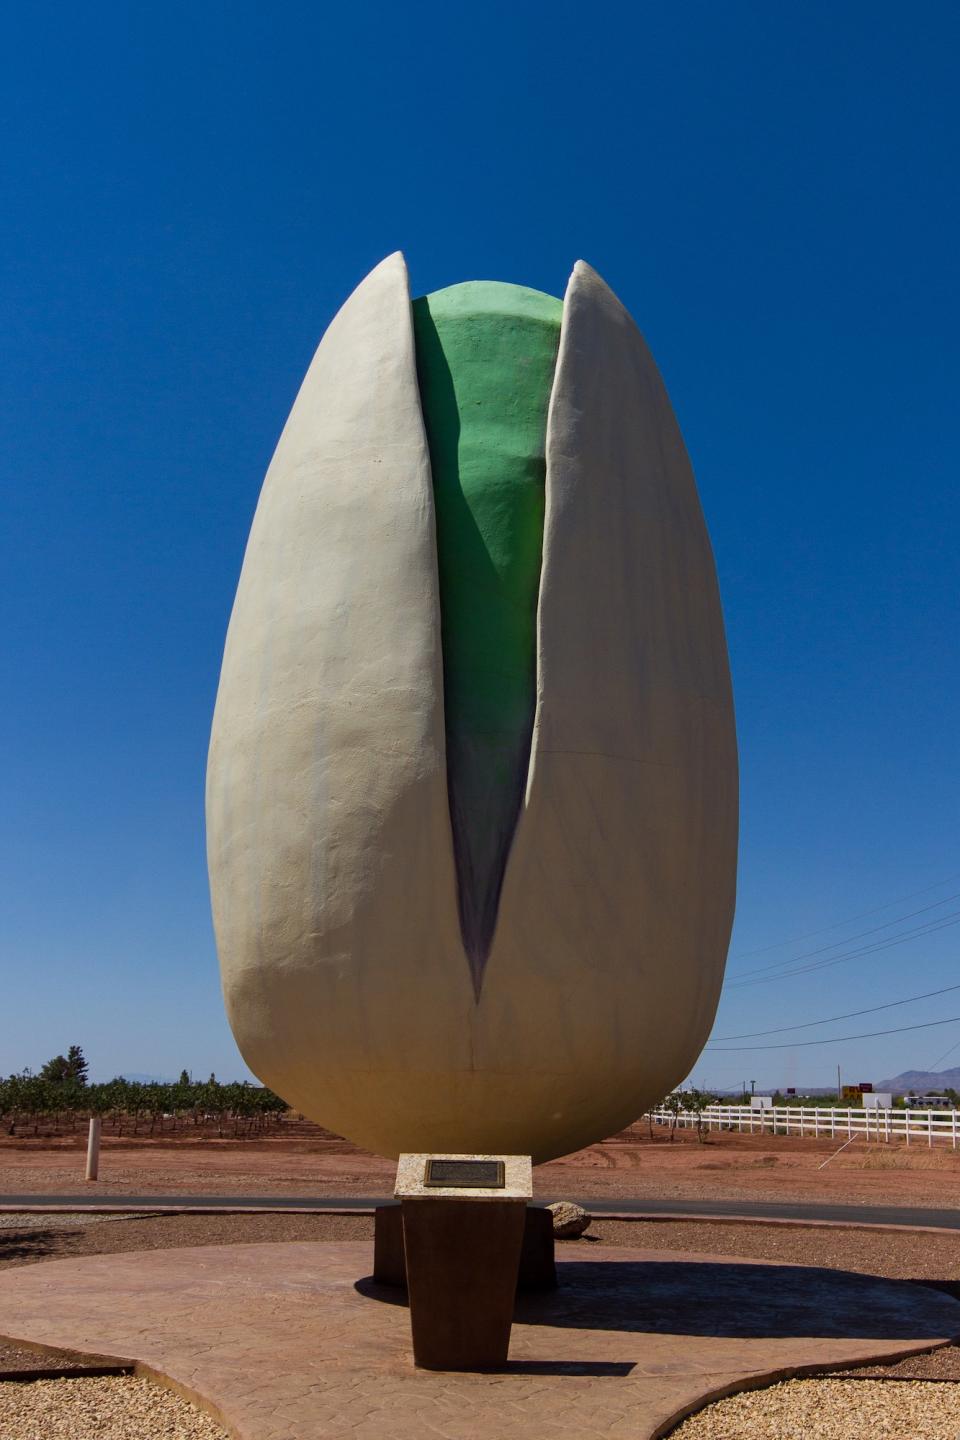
(63, 1221)
(831, 1410)
(109, 1409)
(19, 1363)
(28, 1244)
(898, 1254)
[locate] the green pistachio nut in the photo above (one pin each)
(486, 354)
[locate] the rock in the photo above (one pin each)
(569, 1220)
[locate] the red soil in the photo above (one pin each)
(306, 1160)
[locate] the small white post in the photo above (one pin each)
(93, 1148)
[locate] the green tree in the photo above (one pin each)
(695, 1103)
(64, 1068)
(76, 1065)
(673, 1104)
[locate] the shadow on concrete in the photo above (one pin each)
(389, 1294)
(750, 1302)
(567, 1367)
(740, 1301)
(946, 1287)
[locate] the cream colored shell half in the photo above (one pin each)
(330, 854)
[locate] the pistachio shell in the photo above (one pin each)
(329, 848)
(618, 899)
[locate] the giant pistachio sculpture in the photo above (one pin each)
(472, 789)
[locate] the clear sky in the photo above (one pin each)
(189, 193)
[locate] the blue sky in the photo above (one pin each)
(190, 192)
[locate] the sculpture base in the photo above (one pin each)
(462, 1262)
(537, 1270)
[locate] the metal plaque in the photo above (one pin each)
(465, 1174)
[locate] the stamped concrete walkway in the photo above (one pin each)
(282, 1344)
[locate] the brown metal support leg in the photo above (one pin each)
(462, 1261)
(538, 1269)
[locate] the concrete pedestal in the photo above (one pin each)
(463, 1219)
(389, 1262)
(462, 1262)
(538, 1270)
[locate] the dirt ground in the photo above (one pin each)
(727, 1167)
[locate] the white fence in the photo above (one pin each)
(923, 1127)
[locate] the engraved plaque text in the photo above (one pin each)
(465, 1174)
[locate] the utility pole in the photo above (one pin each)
(839, 1090)
(753, 1087)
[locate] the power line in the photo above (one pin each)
(809, 954)
(940, 1058)
(930, 928)
(836, 924)
(849, 1015)
(836, 1039)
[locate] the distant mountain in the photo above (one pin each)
(921, 1081)
(139, 1079)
